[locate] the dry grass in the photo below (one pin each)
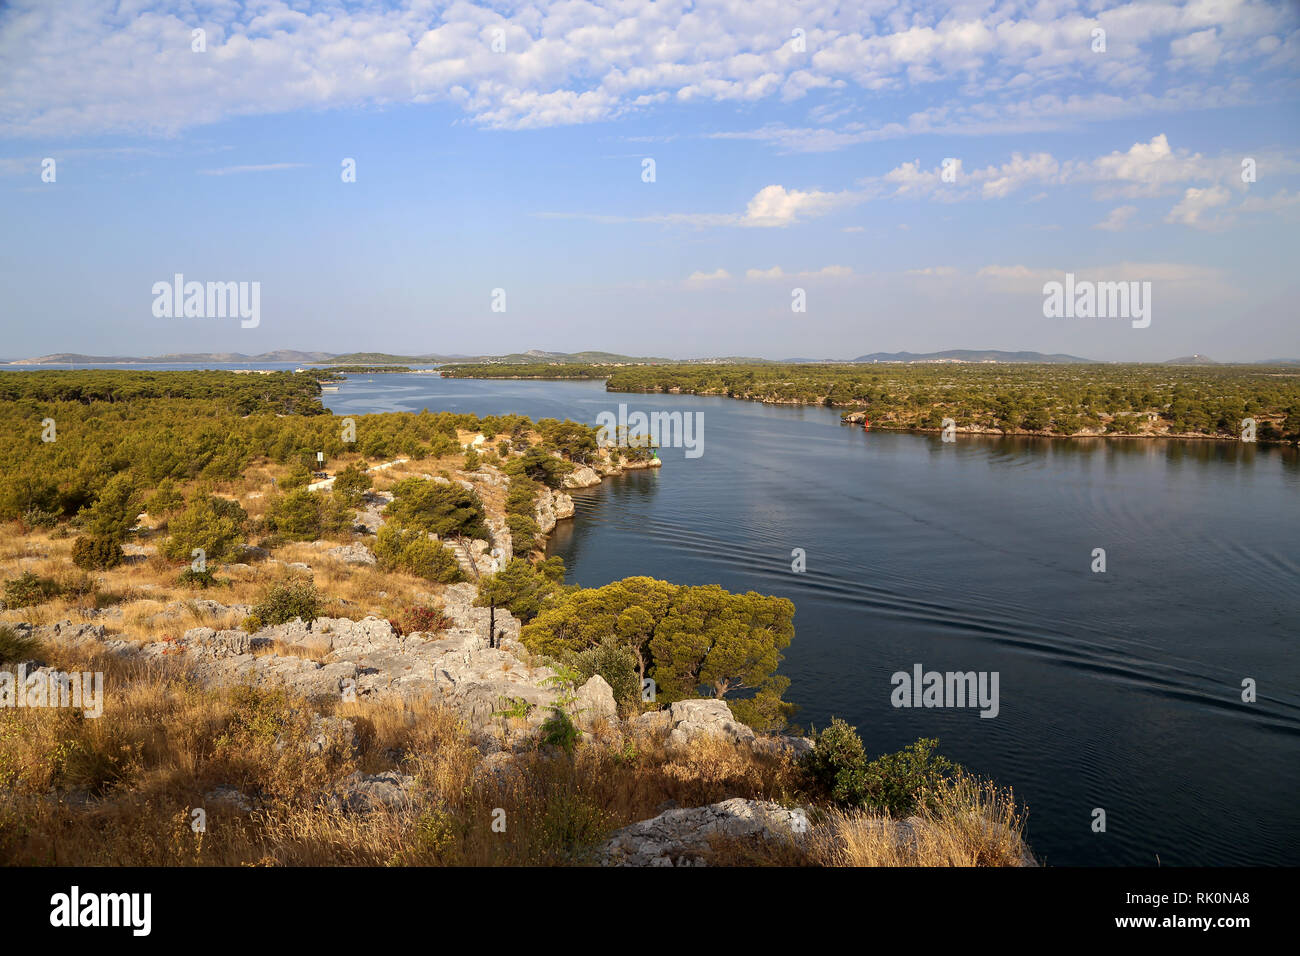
(975, 824)
(120, 790)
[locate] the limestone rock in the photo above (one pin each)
(220, 643)
(361, 793)
(352, 554)
(681, 837)
(581, 477)
(595, 703)
(550, 507)
(704, 718)
(225, 796)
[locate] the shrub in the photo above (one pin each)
(210, 524)
(202, 580)
(299, 476)
(416, 553)
(28, 590)
(541, 466)
(442, 509)
(521, 510)
(165, 501)
(15, 647)
(97, 553)
(114, 511)
(899, 784)
(443, 445)
(424, 619)
(613, 661)
(559, 731)
(523, 531)
(472, 460)
(835, 766)
(37, 517)
(304, 515)
(352, 483)
(251, 624)
(296, 598)
(908, 781)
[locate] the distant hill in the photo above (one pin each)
(539, 356)
(973, 355)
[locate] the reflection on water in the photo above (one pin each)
(1118, 690)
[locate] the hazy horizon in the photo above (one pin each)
(416, 354)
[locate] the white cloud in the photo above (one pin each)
(1200, 50)
(1195, 203)
(776, 272)
(1279, 202)
(1118, 219)
(98, 66)
(1146, 169)
(265, 168)
(714, 276)
(778, 206)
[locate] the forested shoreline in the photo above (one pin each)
(1055, 400)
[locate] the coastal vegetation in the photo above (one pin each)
(690, 641)
(1060, 400)
(340, 370)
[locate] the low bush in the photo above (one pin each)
(296, 598)
(15, 647)
(899, 784)
(29, 590)
(615, 662)
(97, 553)
(424, 619)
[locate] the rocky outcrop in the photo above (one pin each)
(550, 507)
(371, 515)
(683, 837)
(595, 703)
(689, 719)
(495, 692)
(582, 476)
(352, 554)
(361, 793)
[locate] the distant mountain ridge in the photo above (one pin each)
(975, 355)
(536, 356)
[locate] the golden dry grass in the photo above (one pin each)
(120, 790)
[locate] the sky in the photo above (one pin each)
(651, 178)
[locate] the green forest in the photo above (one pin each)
(1063, 400)
(64, 434)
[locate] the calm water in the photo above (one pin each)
(1118, 690)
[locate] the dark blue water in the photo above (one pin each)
(1119, 691)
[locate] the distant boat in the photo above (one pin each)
(866, 424)
(329, 388)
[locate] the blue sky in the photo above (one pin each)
(776, 168)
